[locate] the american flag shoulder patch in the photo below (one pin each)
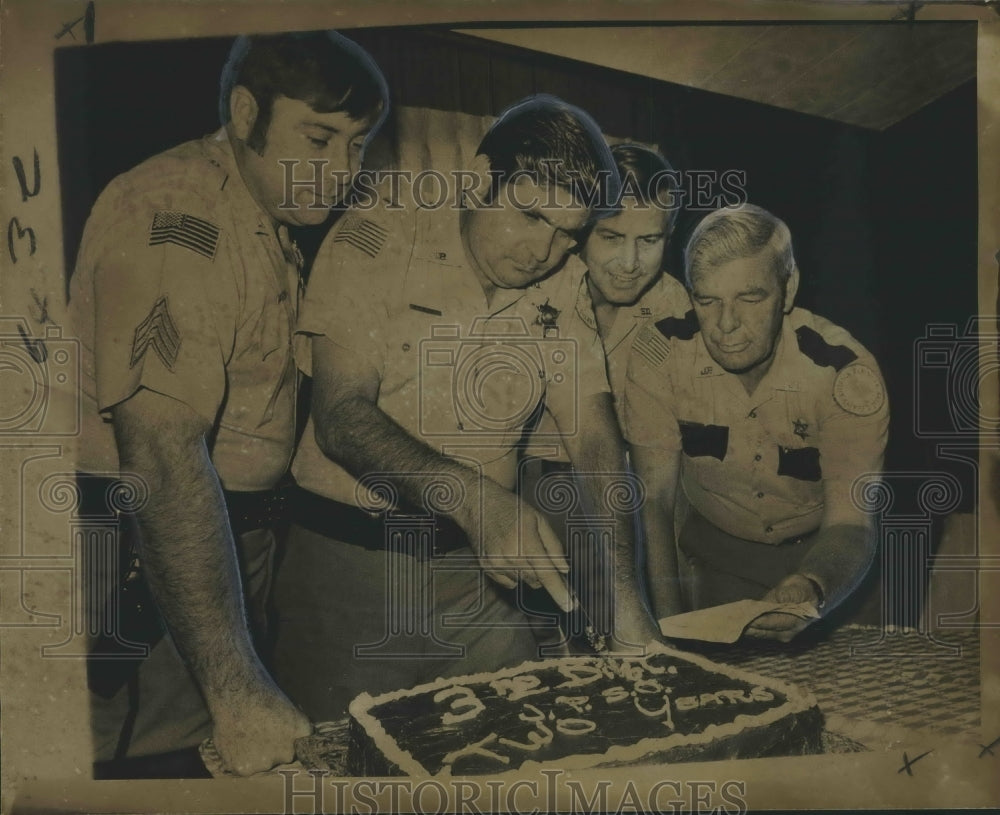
(652, 346)
(363, 234)
(184, 230)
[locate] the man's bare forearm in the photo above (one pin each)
(602, 481)
(360, 437)
(190, 561)
(839, 559)
(662, 569)
(353, 431)
(658, 469)
(600, 454)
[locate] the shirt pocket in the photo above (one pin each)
(701, 440)
(801, 463)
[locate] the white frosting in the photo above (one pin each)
(580, 672)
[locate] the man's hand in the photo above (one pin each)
(191, 564)
(794, 589)
(258, 731)
(514, 542)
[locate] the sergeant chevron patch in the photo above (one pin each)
(652, 346)
(192, 233)
(362, 234)
(158, 332)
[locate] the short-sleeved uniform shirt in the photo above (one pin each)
(394, 288)
(182, 286)
(667, 297)
(775, 464)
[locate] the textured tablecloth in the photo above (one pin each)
(862, 674)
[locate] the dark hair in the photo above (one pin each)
(321, 68)
(646, 176)
(556, 143)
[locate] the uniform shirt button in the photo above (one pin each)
(757, 457)
(760, 495)
(769, 529)
(283, 297)
(406, 346)
(753, 414)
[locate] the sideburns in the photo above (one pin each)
(257, 138)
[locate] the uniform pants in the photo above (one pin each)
(721, 568)
(351, 619)
(170, 712)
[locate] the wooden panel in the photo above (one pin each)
(559, 82)
(942, 68)
(860, 65)
(682, 54)
(429, 76)
(474, 80)
(510, 80)
(643, 126)
(865, 74)
(778, 59)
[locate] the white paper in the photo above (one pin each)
(726, 623)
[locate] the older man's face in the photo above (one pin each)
(740, 306)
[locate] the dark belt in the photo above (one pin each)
(356, 527)
(257, 510)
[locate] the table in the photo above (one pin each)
(875, 677)
(876, 687)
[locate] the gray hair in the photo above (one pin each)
(741, 232)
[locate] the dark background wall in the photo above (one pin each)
(884, 223)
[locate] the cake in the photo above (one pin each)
(580, 713)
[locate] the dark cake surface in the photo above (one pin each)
(581, 712)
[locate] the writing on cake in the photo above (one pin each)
(581, 712)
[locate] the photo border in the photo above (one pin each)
(44, 727)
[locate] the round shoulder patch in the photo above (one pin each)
(858, 390)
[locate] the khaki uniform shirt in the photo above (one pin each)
(775, 464)
(667, 297)
(465, 377)
(182, 286)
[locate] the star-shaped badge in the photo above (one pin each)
(801, 428)
(547, 315)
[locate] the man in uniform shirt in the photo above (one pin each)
(625, 287)
(434, 339)
(764, 415)
(626, 280)
(185, 297)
